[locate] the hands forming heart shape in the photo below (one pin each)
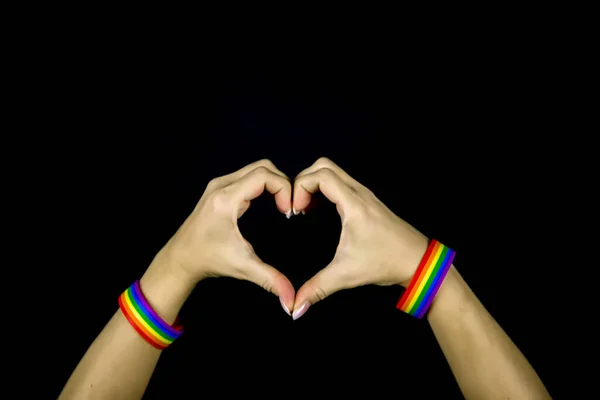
(375, 247)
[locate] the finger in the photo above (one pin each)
(325, 162)
(333, 278)
(327, 182)
(272, 281)
(254, 183)
(251, 167)
(315, 201)
(234, 176)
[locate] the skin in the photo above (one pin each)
(119, 363)
(376, 247)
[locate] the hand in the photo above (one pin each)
(209, 243)
(376, 246)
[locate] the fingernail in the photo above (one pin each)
(303, 212)
(295, 212)
(287, 310)
(288, 214)
(300, 311)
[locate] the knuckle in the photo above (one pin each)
(267, 285)
(320, 293)
(261, 171)
(327, 172)
(370, 196)
(219, 200)
(213, 183)
(324, 162)
(265, 162)
(330, 176)
(366, 191)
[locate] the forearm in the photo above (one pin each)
(484, 360)
(119, 363)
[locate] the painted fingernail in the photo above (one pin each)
(295, 212)
(288, 214)
(287, 310)
(300, 311)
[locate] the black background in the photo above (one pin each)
(446, 143)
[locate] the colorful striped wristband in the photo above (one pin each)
(145, 320)
(427, 280)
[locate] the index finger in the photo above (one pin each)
(327, 182)
(254, 183)
(234, 176)
(251, 167)
(325, 162)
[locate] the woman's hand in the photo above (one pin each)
(376, 246)
(209, 243)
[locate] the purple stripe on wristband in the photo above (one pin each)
(435, 289)
(163, 324)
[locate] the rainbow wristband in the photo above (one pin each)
(145, 320)
(427, 280)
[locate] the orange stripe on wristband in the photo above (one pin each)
(418, 277)
(151, 327)
(427, 279)
(137, 328)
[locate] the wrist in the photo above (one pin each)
(411, 259)
(166, 287)
(452, 296)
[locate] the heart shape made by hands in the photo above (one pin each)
(374, 246)
(299, 246)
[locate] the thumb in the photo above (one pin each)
(272, 281)
(326, 282)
